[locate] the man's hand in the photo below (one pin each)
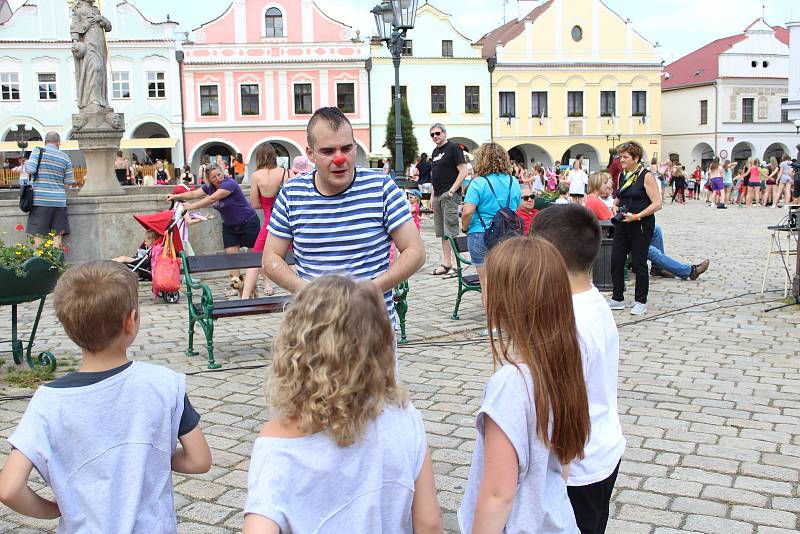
(170, 197)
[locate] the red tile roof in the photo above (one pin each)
(509, 31)
(702, 65)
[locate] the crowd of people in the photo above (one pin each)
(345, 448)
(723, 183)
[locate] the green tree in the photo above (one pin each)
(410, 147)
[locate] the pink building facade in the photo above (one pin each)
(256, 73)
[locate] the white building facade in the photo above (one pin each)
(37, 80)
(442, 76)
(726, 99)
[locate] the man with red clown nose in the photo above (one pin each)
(340, 217)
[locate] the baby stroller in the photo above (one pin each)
(163, 224)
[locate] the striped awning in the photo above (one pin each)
(125, 144)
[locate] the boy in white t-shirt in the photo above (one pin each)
(104, 438)
(575, 232)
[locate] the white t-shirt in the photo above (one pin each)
(577, 181)
(310, 484)
(541, 504)
(106, 449)
(600, 352)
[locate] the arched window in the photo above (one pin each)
(273, 23)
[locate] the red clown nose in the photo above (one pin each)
(339, 160)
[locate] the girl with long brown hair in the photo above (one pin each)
(265, 184)
(534, 417)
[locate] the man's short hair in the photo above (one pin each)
(573, 230)
(332, 116)
(92, 300)
(52, 138)
(438, 125)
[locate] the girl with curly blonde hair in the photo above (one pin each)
(345, 450)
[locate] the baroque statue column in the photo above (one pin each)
(96, 127)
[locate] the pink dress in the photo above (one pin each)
(266, 205)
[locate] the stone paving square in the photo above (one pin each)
(709, 390)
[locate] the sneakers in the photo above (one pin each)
(699, 269)
(616, 304)
(639, 309)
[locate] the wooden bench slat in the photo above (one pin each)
(471, 279)
(227, 262)
(233, 308)
(461, 244)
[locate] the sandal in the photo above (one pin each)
(269, 291)
(441, 270)
(451, 273)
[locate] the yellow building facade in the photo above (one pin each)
(572, 77)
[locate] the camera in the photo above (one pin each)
(621, 213)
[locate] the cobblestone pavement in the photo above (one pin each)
(709, 390)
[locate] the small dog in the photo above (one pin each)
(237, 283)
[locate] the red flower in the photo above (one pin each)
(66, 249)
(20, 228)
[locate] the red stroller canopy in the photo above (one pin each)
(161, 223)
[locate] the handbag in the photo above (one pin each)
(166, 269)
(26, 191)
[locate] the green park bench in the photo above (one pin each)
(466, 282)
(208, 310)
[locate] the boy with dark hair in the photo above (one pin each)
(575, 232)
(104, 438)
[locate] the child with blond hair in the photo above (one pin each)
(105, 437)
(346, 450)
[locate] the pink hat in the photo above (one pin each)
(301, 165)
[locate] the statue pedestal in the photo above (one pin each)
(98, 135)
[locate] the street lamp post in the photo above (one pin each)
(613, 139)
(797, 125)
(393, 18)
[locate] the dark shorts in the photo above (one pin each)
(242, 235)
(717, 184)
(45, 219)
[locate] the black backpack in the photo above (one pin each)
(505, 223)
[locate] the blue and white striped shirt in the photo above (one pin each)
(55, 172)
(344, 233)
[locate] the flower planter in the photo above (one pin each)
(39, 281)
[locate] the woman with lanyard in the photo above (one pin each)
(638, 199)
(240, 224)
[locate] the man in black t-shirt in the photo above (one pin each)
(448, 170)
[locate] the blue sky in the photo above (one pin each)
(679, 26)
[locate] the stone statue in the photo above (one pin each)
(87, 31)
